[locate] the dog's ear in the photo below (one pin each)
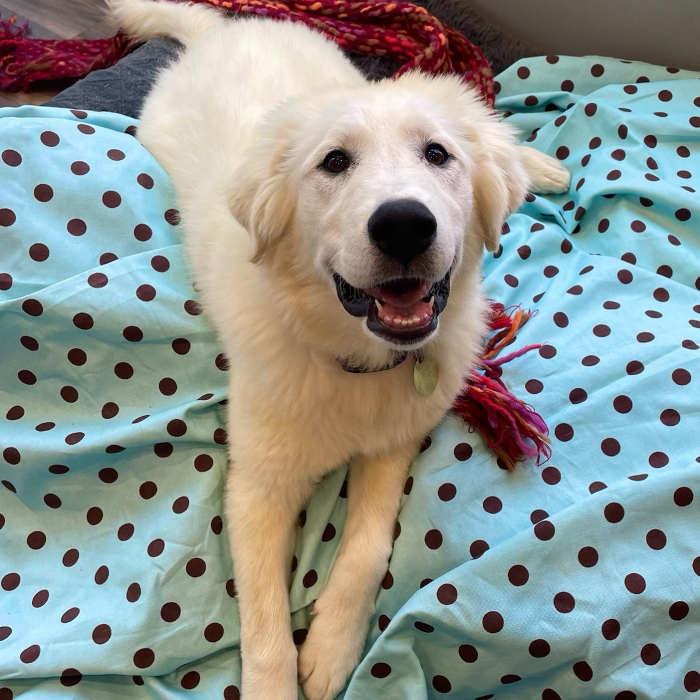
(260, 195)
(499, 180)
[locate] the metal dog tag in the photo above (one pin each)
(425, 376)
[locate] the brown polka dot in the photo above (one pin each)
(213, 632)
(193, 308)
(70, 557)
(146, 181)
(658, 459)
(577, 395)
(10, 581)
(70, 677)
(656, 539)
(50, 138)
(683, 496)
(441, 684)
(610, 447)
(467, 653)
(133, 334)
(70, 395)
(635, 583)
(15, 413)
(550, 271)
(133, 592)
(597, 70)
(551, 475)
(477, 548)
(52, 500)
(142, 232)
(220, 436)
(176, 427)
(564, 602)
(634, 367)
(172, 216)
(76, 227)
(564, 432)
(622, 131)
(544, 530)
(518, 575)
(30, 654)
(567, 86)
(576, 290)
(36, 539)
(539, 648)
(622, 404)
(181, 346)
(115, 154)
(11, 158)
(144, 658)
(125, 532)
(691, 680)
(43, 193)
(146, 292)
(380, 670)
(670, 417)
(650, 654)
(195, 567)
(583, 671)
(160, 263)
(492, 504)
(433, 539)
(80, 167)
(97, 280)
(123, 370)
(562, 153)
(155, 548)
(111, 199)
(682, 214)
(547, 352)
(588, 556)
(492, 621)
(679, 610)
(561, 320)
(11, 455)
(610, 629)
(101, 634)
(94, 515)
(181, 504)
(523, 72)
(5, 280)
(447, 492)
(614, 512)
(447, 594)
(203, 463)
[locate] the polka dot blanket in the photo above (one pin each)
(577, 580)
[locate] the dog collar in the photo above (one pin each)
(425, 370)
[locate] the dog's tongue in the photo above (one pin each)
(402, 302)
(402, 294)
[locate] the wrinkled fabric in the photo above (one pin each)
(574, 580)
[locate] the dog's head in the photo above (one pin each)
(384, 193)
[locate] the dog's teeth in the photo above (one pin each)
(397, 321)
(409, 323)
(379, 306)
(415, 319)
(404, 322)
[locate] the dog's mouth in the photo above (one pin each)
(401, 310)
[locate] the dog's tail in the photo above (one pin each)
(145, 19)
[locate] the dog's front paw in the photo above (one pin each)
(329, 654)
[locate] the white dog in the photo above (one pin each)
(328, 220)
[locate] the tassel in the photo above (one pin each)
(511, 428)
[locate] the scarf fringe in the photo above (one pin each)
(510, 427)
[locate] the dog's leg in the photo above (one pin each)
(262, 505)
(547, 174)
(342, 612)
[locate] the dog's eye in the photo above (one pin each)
(335, 162)
(436, 154)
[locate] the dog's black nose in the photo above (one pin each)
(402, 229)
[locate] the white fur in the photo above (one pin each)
(240, 123)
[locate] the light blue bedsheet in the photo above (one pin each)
(576, 580)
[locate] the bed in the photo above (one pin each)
(577, 579)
